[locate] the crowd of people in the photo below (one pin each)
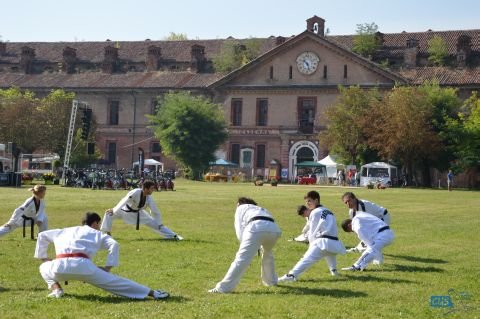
(255, 228)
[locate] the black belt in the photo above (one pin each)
(385, 212)
(329, 237)
(131, 210)
(383, 228)
(261, 218)
(32, 224)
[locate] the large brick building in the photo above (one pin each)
(273, 104)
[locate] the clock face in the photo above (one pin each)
(307, 62)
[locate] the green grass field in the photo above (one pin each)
(435, 253)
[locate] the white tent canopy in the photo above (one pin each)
(378, 172)
(331, 165)
(150, 161)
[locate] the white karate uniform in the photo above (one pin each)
(252, 235)
(86, 240)
(371, 208)
(131, 202)
(367, 228)
(321, 222)
(27, 209)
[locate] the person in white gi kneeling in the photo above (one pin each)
(32, 211)
(322, 237)
(75, 247)
(132, 209)
(372, 231)
(257, 231)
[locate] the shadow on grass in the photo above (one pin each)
(378, 279)
(337, 293)
(199, 241)
(117, 299)
(407, 268)
(419, 259)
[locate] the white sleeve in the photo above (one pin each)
(43, 240)
(238, 223)
(19, 211)
(110, 244)
(154, 210)
(41, 211)
(314, 222)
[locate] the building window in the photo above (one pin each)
(112, 152)
(155, 148)
(260, 156)
(324, 71)
(113, 109)
(235, 153)
(262, 112)
(290, 73)
(345, 71)
(271, 73)
(236, 112)
(306, 114)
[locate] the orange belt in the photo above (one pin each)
(72, 255)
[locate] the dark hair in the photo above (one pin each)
(313, 195)
(345, 225)
(301, 209)
(246, 200)
(90, 218)
(148, 183)
(349, 195)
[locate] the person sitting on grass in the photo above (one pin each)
(75, 247)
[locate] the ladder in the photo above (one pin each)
(71, 132)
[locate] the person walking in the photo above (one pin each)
(75, 247)
(257, 232)
(132, 209)
(450, 180)
(32, 212)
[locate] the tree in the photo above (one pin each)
(176, 37)
(19, 119)
(235, 54)
(55, 110)
(344, 135)
(400, 127)
(190, 129)
(365, 41)
(437, 50)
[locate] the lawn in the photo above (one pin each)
(435, 253)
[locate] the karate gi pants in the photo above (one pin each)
(311, 256)
(19, 223)
(82, 269)
(249, 246)
(374, 251)
(130, 218)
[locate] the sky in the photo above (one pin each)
(128, 20)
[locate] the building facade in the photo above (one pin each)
(273, 105)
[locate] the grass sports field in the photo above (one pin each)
(435, 253)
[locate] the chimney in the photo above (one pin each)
(26, 59)
(110, 60)
(279, 40)
(464, 48)
(198, 58)
(154, 54)
(316, 25)
(3, 48)
(410, 53)
(69, 59)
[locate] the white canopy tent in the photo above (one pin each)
(151, 162)
(331, 165)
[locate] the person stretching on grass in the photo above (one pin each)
(256, 230)
(372, 231)
(32, 210)
(132, 210)
(75, 247)
(322, 237)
